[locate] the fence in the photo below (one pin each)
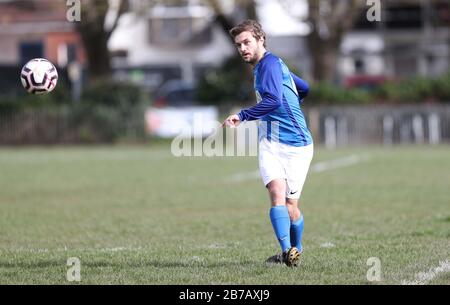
(69, 125)
(355, 125)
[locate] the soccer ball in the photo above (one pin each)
(39, 76)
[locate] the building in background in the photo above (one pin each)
(155, 44)
(182, 42)
(34, 29)
(31, 29)
(413, 38)
(165, 42)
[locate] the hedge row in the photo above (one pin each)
(106, 112)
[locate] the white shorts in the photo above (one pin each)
(282, 161)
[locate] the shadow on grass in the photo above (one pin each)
(172, 264)
(30, 265)
(137, 264)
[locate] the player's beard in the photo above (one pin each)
(251, 60)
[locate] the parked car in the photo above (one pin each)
(175, 93)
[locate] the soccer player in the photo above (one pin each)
(285, 143)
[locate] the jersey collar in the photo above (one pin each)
(262, 58)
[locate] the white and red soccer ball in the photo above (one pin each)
(39, 76)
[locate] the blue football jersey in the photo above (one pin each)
(279, 94)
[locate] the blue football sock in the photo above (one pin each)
(296, 233)
(279, 216)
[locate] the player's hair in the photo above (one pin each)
(249, 25)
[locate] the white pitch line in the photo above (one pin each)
(65, 249)
(315, 168)
(327, 245)
(118, 249)
(240, 177)
(336, 163)
(423, 278)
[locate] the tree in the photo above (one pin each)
(329, 20)
(95, 33)
(227, 22)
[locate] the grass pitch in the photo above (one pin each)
(137, 215)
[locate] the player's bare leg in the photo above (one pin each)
(280, 219)
(277, 192)
(293, 209)
(296, 229)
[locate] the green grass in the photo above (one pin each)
(137, 215)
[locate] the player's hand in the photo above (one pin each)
(232, 121)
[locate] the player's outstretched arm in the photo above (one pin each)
(269, 103)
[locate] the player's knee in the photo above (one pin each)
(276, 186)
(291, 202)
(292, 206)
(290, 210)
(294, 213)
(277, 191)
(277, 199)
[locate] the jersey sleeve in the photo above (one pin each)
(302, 86)
(271, 83)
